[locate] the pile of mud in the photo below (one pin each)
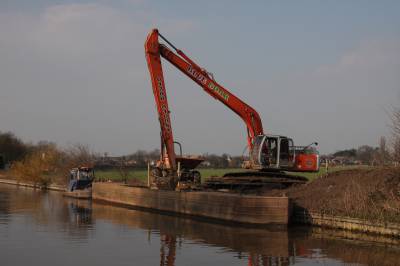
(372, 194)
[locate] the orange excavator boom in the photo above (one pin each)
(266, 152)
(154, 51)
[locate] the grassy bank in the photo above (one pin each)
(141, 174)
(323, 172)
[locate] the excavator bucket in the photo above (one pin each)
(188, 163)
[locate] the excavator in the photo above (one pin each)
(267, 153)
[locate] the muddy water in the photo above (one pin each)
(43, 228)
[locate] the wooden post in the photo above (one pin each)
(148, 174)
(326, 167)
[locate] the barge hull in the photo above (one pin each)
(79, 194)
(229, 207)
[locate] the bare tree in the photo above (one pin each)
(396, 122)
(75, 156)
(396, 151)
(124, 170)
(367, 154)
(395, 126)
(383, 152)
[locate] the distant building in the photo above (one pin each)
(113, 162)
(206, 164)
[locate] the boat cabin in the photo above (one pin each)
(81, 178)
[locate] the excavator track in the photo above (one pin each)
(253, 180)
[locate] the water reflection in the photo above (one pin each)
(238, 239)
(4, 207)
(173, 238)
(257, 246)
(48, 209)
(167, 250)
(80, 213)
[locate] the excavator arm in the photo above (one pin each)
(154, 51)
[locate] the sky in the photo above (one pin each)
(75, 71)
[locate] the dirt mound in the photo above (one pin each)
(372, 194)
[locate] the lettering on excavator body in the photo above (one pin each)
(200, 77)
(160, 88)
(219, 91)
(164, 109)
(211, 85)
(166, 118)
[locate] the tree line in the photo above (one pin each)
(364, 154)
(42, 163)
(49, 160)
(388, 151)
(141, 158)
(12, 148)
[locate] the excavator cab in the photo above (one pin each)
(272, 152)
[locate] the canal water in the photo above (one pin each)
(44, 228)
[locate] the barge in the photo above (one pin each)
(226, 207)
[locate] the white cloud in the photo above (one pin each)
(368, 56)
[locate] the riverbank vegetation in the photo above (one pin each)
(371, 194)
(46, 164)
(39, 166)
